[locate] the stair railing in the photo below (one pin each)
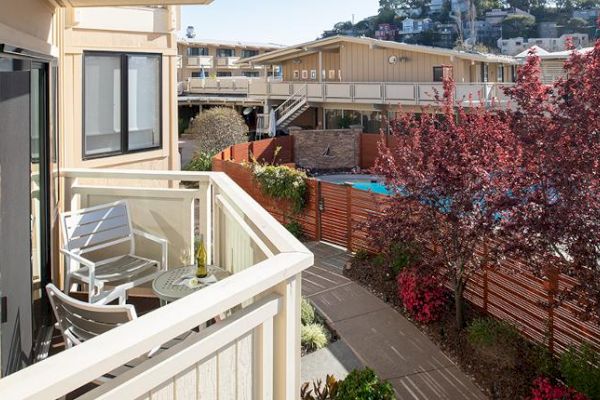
(291, 103)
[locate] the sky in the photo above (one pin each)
(275, 21)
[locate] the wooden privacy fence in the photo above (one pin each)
(336, 214)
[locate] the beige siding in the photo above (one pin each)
(331, 62)
(103, 37)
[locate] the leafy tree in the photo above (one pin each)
(554, 219)
(518, 26)
(218, 128)
(577, 25)
(449, 175)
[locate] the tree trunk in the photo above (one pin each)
(458, 305)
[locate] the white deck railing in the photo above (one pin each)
(408, 93)
(254, 352)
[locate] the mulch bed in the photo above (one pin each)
(496, 377)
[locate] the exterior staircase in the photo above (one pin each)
(286, 113)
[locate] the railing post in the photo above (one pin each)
(318, 209)
(287, 340)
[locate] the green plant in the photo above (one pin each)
(401, 256)
(200, 162)
(218, 128)
(320, 391)
(496, 340)
(282, 182)
(362, 255)
(543, 361)
(379, 260)
(313, 336)
(580, 368)
(364, 384)
(307, 312)
(295, 228)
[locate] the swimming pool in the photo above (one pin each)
(372, 183)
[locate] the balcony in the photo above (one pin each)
(393, 93)
(227, 61)
(253, 352)
(200, 61)
(405, 93)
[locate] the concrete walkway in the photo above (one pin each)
(380, 337)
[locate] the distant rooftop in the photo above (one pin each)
(290, 51)
(229, 43)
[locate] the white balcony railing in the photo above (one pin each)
(380, 93)
(227, 61)
(200, 61)
(252, 352)
(407, 93)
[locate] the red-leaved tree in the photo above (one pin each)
(449, 175)
(554, 219)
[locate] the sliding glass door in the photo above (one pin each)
(24, 206)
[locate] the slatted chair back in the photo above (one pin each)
(79, 321)
(95, 228)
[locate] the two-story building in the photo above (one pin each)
(343, 80)
(214, 59)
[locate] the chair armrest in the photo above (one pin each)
(160, 241)
(78, 258)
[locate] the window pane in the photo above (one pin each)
(102, 104)
(144, 102)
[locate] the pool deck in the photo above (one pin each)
(380, 337)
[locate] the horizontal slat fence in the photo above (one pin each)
(337, 214)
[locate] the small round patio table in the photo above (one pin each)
(168, 286)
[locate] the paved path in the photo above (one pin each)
(380, 337)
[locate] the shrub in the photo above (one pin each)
(580, 368)
(295, 228)
(495, 340)
(423, 297)
(307, 312)
(328, 391)
(401, 255)
(200, 162)
(313, 336)
(281, 182)
(364, 384)
(218, 128)
(362, 255)
(544, 389)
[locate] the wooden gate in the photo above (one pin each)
(333, 206)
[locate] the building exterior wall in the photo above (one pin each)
(212, 68)
(108, 30)
(359, 63)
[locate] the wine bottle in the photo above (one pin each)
(201, 267)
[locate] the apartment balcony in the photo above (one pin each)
(118, 3)
(227, 61)
(200, 61)
(224, 85)
(392, 93)
(252, 351)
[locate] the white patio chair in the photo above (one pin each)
(79, 321)
(107, 228)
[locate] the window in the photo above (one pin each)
(438, 74)
(251, 74)
(225, 53)
(500, 77)
(249, 53)
(484, 72)
(122, 97)
(513, 73)
(197, 51)
(223, 74)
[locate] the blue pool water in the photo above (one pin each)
(364, 182)
(375, 187)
